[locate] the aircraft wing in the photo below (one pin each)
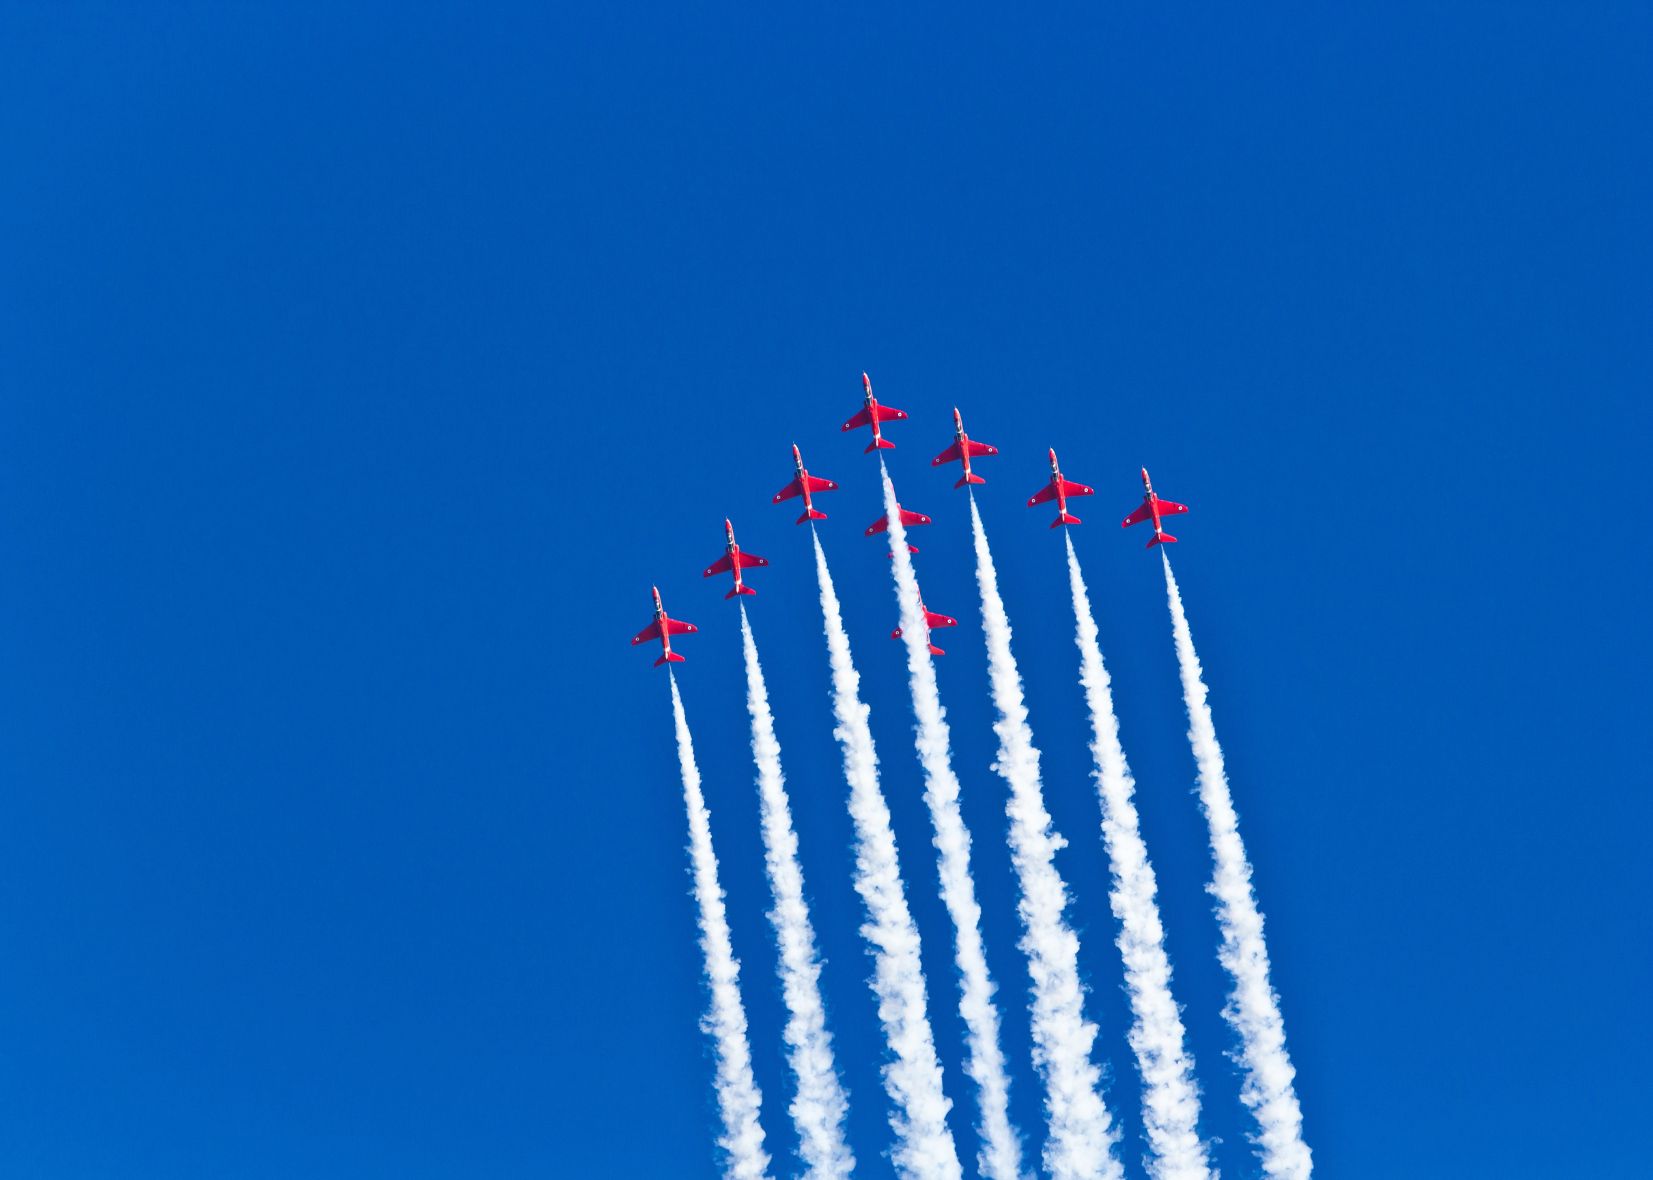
(817, 484)
(890, 413)
(652, 631)
(1171, 508)
(721, 566)
(1141, 514)
(1043, 495)
(979, 448)
(748, 560)
(795, 488)
(950, 454)
(935, 620)
(861, 419)
(679, 627)
(912, 518)
(1069, 488)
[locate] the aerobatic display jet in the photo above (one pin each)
(871, 415)
(909, 519)
(804, 484)
(931, 622)
(663, 629)
(733, 561)
(1059, 489)
(1152, 509)
(961, 450)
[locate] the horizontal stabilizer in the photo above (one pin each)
(670, 657)
(741, 589)
(1065, 518)
(936, 651)
(1160, 539)
(879, 444)
(812, 514)
(971, 478)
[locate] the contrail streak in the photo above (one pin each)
(1080, 1144)
(924, 1148)
(1253, 1008)
(1001, 1152)
(737, 1093)
(819, 1108)
(1170, 1098)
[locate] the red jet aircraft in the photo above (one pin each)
(663, 629)
(961, 450)
(1059, 489)
(802, 485)
(871, 415)
(909, 519)
(1152, 509)
(733, 561)
(931, 622)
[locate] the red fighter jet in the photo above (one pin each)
(871, 415)
(961, 450)
(931, 622)
(803, 484)
(909, 519)
(663, 629)
(1059, 489)
(1152, 509)
(733, 561)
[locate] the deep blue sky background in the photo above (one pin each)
(360, 371)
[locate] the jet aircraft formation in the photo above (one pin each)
(803, 485)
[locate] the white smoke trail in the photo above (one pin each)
(737, 1093)
(819, 1108)
(1253, 1008)
(924, 1148)
(1001, 1152)
(1080, 1145)
(1170, 1098)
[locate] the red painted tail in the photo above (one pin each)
(670, 657)
(812, 514)
(971, 478)
(1065, 518)
(1160, 538)
(879, 444)
(936, 651)
(742, 589)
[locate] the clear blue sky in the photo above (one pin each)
(360, 370)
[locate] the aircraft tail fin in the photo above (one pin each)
(1065, 518)
(971, 478)
(879, 444)
(670, 657)
(1160, 538)
(812, 514)
(936, 651)
(741, 589)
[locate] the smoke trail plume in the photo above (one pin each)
(1253, 1008)
(819, 1108)
(1081, 1138)
(924, 1148)
(1170, 1099)
(725, 1020)
(1001, 1150)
